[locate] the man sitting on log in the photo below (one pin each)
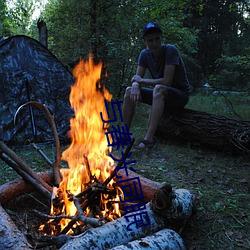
(169, 87)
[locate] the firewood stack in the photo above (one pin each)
(166, 212)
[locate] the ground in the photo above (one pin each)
(219, 180)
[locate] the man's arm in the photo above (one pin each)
(166, 80)
(135, 93)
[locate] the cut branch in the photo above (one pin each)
(23, 165)
(25, 176)
(18, 187)
(15, 188)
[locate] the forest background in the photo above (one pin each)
(212, 36)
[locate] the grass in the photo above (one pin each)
(219, 180)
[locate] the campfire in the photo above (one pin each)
(86, 190)
(89, 205)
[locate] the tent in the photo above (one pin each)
(30, 72)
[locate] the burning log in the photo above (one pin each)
(168, 209)
(15, 188)
(163, 239)
(148, 186)
(10, 237)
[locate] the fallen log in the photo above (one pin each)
(212, 131)
(155, 217)
(161, 240)
(10, 237)
(18, 187)
(15, 188)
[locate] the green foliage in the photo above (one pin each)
(20, 16)
(233, 106)
(111, 30)
(212, 36)
(4, 19)
(233, 72)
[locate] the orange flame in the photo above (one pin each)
(87, 134)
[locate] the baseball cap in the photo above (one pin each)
(150, 26)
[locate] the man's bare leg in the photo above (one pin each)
(156, 113)
(128, 108)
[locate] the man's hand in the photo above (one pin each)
(136, 78)
(135, 93)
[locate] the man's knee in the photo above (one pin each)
(159, 91)
(127, 93)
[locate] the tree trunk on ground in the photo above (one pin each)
(10, 237)
(15, 188)
(18, 187)
(163, 239)
(212, 131)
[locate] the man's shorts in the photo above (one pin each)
(175, 99)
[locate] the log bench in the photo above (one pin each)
(211, 131)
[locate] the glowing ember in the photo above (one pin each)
(87, 156)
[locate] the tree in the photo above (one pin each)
(223, 32)
(4, 20)
(111, 30)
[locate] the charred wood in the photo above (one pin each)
(15, 188)
(116, 232)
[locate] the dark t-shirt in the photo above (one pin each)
(171, 56)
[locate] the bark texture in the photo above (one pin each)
(161, 240)
(15, 188)
(18, 187)
(10, 237)
(212, 131)
(43, 32)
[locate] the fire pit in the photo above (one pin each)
(90, 208)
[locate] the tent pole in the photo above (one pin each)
(33, 125)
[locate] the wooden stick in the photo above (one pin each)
(23, 165)
(112, 175)
(42, 154)
(26, 176)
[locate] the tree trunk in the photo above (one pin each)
(18, 187)
(10, 237)
(43, 32)
(163, 239)
(15, 188)
(212, 131)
